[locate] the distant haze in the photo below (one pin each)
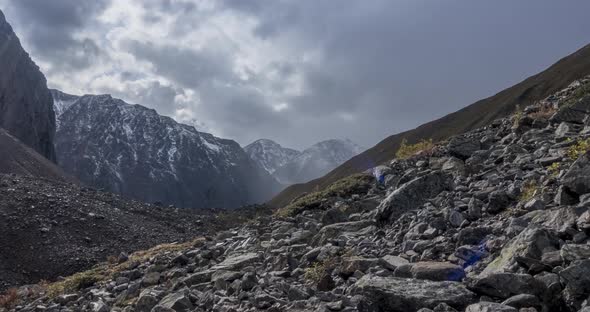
(297, 72)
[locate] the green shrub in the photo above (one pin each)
(578, 149)
(406, 150)
(318, 270)
(554, 169)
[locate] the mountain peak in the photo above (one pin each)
(269, 154)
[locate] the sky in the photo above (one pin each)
(297, 71)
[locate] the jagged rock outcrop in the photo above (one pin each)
(476, 244)
(26, 106)
(134, 151)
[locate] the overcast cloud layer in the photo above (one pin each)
(297, 71)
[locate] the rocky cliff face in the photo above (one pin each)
(269, 154)
(496, 219)
(26, 107)
(316, 161)
(131, 150)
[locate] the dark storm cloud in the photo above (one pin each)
(367, 69)
(395, 64)
(186, 67)
(51, 28)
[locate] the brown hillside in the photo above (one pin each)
(478, 114)
(19, 159)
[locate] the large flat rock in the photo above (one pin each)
(407, 295)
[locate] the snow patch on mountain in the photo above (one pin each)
(317, 161)
(130, 149)
(269, 154)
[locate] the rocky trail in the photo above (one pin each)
(496, 219)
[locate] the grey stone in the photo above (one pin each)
(237, 262)
(530, 243)
(437, 271)
(572, 252)
(392, 262)
(498, 201)
(505, 285)
(412, 195)
(577, 178)
(353, 264)
(401, 295)
(152, 278)
(177, 301)
(463, 147)
(490, 307)
(523, 301)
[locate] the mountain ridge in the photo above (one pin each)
(131, 149)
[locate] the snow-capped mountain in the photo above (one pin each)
(269, 154)
(316, 161)
(132, 150)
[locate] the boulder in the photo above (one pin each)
(333, 230)
(198, 278)
(572, 252)
(463, 147)
(353, 264)
(523, 301)
(561, 220)
(576, 278)
(152, 278)
(575, 113)
(177, 301)
(490, 307)
(147, 300)
(412, 195)
(437, 271)
(498, 201)
(577, 178)
(392, 262)
(530, 244)
(505, 285)
(402, 295)
(237, 262)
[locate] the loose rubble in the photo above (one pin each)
(496, 219)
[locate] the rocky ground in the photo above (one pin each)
(496, 219)
(48, 228)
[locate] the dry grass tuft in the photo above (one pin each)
(355, 183)
(544, 112)
(107, 270)
(406, 150)
(9, 298)
(529, 190)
